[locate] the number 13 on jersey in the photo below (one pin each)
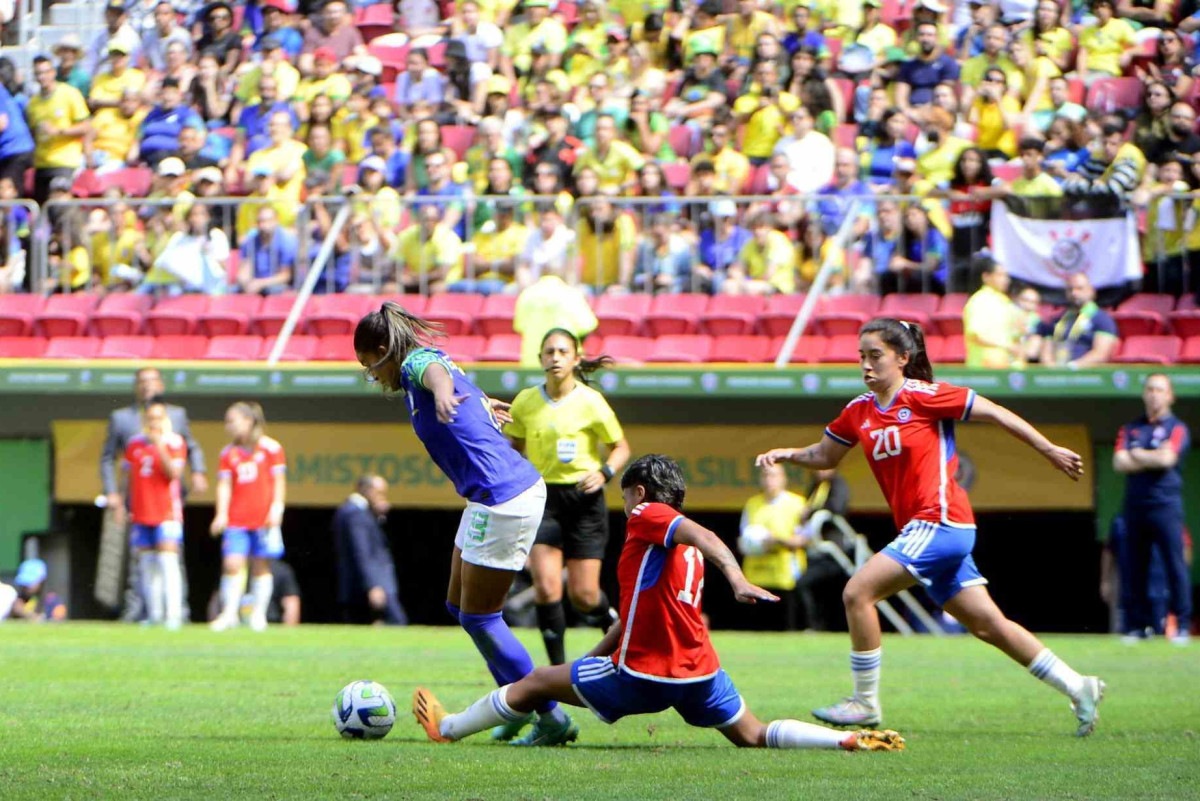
(887, 442)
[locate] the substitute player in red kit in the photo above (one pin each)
(659, 655)
(906, 426)
(251, 489)
(153, 462)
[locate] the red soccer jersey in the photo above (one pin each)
(253, 474)
(153, 497)
(910, 448)
(663, 637)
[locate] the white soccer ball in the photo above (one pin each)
(754, 540)
(364, 710)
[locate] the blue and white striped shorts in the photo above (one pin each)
(938, 556)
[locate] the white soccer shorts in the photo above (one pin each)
(500, 536)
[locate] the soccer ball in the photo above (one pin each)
(754, 540)
(364, 710)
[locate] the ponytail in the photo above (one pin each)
(396, 330)
(586, 367)
(907, 338)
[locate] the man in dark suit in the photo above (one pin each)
(123, 425)
(367, 587)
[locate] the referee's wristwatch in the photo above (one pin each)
(607, 472)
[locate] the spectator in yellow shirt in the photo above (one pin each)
(550, 302)
(1105, 47)
(1034, 182)
(614, 161)
(993, 57)
(746, 26)
(996, 116)
(284, 156)
(326, 80)
(538, 28)
(427, 253)
(607, 245)
(992, 328)
(274, 63)
(108, 87)
(764, 111)
(59, 120)
(767, 263)
(772, 544)
(115, 132)
(492, 253)
(732, 168)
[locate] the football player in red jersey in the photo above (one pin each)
(659, 655)
(251, 490)
(905, 424)
(153, 462)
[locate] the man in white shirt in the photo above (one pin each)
(809, 152)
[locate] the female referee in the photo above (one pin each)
(505, 495)
(906, 426)
(560, 426)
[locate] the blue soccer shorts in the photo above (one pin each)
(257, 543)
(938, 556)
(146, 537)
(612, 694)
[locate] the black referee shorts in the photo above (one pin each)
(574, 522)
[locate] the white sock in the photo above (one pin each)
(152, 585)
(490, 710)
(865, 666)
(172, 585)
(232, 588)
(795, 734)
(1057, 673)
(261, 587)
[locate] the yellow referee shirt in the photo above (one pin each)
(563, 438)
(777, 570)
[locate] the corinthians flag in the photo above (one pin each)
(1044, 240)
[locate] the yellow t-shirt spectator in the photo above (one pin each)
(634, 12)
(493, 245)
(520, 39)
(990, 315)
(991, 132)
(775, 263)
(114, 132)
(287, 157)
(1041, 186)
(583, 64)
(443, 250)
(63, 108)
(707, 39)
(616, 167)
(287, 78)
(351, 128)
(937, 166)
(108, 88)
(600, 256)
(973, 70)
(1058, 42)
(732, 169)
(337, 87)
(765, 126)
(107, 253)
(743, 36)
(878, 39)
(247, 213)
(563, 439)
(384, 207)
(777, 570)
(74, 269)
(550, 303)
(1106, 44)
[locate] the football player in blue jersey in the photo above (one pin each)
(505, 495)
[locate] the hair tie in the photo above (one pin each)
(904, 323)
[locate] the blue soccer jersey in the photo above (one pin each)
(1155, 488)
(471, 451)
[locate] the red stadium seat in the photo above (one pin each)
(1149, 301)
(228, 315)
(176, 316)
(496, 317)
(234, 347)
(756, 181)
(621, 314)
(502, 348)
(1138, 323)
(741, 349)
(568, 13)
(844, 314)
(121, 313)
(689, 348)
(414, 304)
(65, 315)
(133, 181)
(299, 348)
(677, 174)
(336, 314)
(1109, 95)
(464, 349)
(593, 345)
(17, 312)
(335, 348)
(947, 320)
(954, 349)
(456, 312)
(846, 134)
(910, 308)
(1150, 350)
(120, 346)
(1190, 354)
(840, 349)
(682, 141)
(732, 314)
(458, 138)
(391, 50)
(1188, 303)
(1185, 322)
(776, 319)
(22, 347)
(675, 314)
(374, 14)
(437, 55)
(807, 351)
(269, 319)
(846, 90)
(627, 349)
(73, 347)
(179, 347)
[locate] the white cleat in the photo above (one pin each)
(1086, 705)
(849, 712)
(258, 622)
(223, 623)
(1182, 640)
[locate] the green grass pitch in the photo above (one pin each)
(109, 711)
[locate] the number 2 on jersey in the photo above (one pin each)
(887, 442)
(694, 559)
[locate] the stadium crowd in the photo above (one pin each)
(628, 147)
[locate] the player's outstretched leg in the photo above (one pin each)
(976, 610)
(750, 732)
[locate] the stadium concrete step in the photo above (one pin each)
(77, 14)
(50, 35)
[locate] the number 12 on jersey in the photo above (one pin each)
(887, 442)
(694, 559)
